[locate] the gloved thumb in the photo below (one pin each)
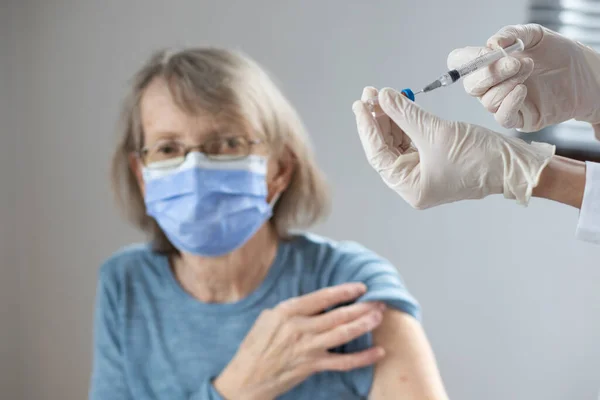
(417, 123)
(530, 34)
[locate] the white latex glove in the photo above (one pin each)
(449, 161)
(553, 80)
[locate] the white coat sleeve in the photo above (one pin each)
(588, 227)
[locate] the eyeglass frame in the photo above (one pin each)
(200, 147)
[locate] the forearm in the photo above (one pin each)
(563, 180)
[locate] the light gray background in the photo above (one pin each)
(511, 299)
(10, 367)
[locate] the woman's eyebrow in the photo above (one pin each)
(220, 130)
(162, 135)
(224, 131)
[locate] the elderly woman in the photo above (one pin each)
(225, 302)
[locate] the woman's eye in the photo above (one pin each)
(232, 142)
(225, 146)
(168, 149)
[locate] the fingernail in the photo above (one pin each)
(360, 288)
(505, 41)
(500, 41)
(376, 317)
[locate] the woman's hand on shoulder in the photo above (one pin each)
(290, 342)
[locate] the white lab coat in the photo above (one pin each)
(588, 228)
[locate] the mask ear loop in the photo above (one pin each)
(274, 200)
(278, 195)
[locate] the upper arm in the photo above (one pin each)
(384, 284)
(108, 380)
(408, 371)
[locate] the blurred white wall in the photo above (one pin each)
(511, 300)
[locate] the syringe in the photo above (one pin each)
(454, 75)
(480, 62)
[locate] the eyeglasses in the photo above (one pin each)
(172, 153)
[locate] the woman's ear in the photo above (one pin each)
(136, 168)
(285, 168)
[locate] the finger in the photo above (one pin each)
(315, 302)
(404, 176)
(416, 123)
(347, 362)
(340, 316)
(481, 81)
(347, 332)
(369, 97)
(373, 140)
(509, 113)
(530, 34)
(400, 140)
(459, 57)
(392, 135)
(369, 93)
(492, 99)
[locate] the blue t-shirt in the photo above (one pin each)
(152, 340)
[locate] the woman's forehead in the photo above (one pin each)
(162, 118)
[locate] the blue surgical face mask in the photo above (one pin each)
(209, 207)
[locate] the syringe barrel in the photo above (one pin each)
(489, 58)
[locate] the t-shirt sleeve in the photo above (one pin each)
(206, 392)
(108, 379)
(354, 263)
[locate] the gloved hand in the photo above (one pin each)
(447, 161)
(553, 80)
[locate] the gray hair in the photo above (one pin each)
(228, 85)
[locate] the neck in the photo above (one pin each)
(231, 277)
